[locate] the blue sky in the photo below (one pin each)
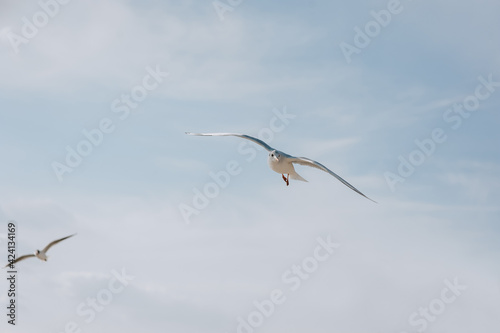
(357, 117)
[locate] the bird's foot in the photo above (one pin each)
(286, 179)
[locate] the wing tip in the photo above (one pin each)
(198, 134)
(370, 199)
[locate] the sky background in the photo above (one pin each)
(357, 117)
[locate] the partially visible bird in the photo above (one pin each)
(283, 163)
(42, 255)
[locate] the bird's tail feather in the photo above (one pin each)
(296, 176)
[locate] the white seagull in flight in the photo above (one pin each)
(42, 255)
(283, 163)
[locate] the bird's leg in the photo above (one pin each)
(286, 178)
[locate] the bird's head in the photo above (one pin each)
(37, 252)
(274, 156)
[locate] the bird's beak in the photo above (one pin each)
(275, 158)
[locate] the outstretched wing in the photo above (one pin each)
(248, 137)
(55, 242)
(19, 259)
(317, 165)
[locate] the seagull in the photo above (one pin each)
(42, 255)
(281, 162)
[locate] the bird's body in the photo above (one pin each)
(282, 163)
(40, 254)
